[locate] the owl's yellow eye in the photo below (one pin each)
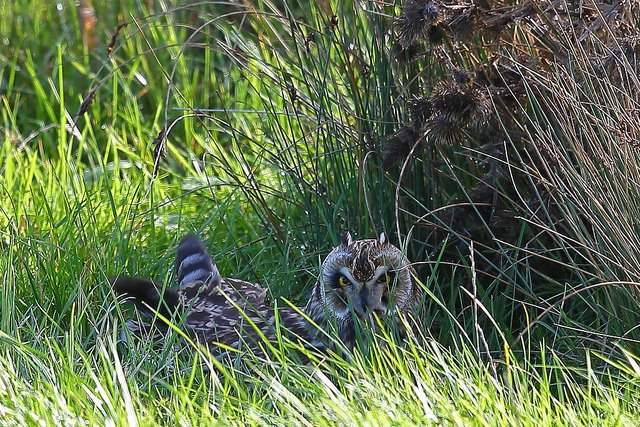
(343, 281)
(385, 278)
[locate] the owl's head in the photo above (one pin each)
(366, 277)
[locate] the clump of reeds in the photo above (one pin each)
(494, 125)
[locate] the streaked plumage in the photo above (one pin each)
(212, 309)
(218, 312)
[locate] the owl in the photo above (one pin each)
(363, 280)
(359, 279)
(223, 314)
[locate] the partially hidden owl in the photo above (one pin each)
(368, 280)
(358, 279)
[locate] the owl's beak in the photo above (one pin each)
(364, 306)
(364, 300)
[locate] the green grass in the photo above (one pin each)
(274, 147)
(398, 386)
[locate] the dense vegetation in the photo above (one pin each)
(495, 140)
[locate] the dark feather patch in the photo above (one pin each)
(147, 296)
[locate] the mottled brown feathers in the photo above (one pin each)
(217, 312)
(359, 279)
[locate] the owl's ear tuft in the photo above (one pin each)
(346, 238)
(382, 238)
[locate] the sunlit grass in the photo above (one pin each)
(274, 145)
(60, 382)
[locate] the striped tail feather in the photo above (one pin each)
(193, 263)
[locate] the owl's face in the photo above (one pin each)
(362, 278)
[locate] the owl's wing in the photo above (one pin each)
(234, 315)
(212, 309)
(147, 296)
(197, 274)
(208, 306)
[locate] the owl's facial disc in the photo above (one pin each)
(365, 297)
